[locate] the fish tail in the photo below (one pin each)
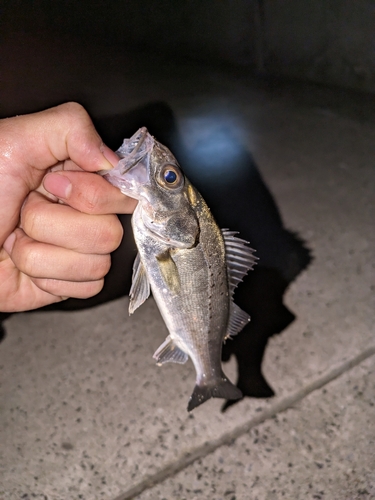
(220, 389)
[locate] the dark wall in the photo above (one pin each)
(327, 41)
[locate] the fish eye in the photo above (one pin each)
(171, 177)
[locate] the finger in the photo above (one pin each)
(61, 166)
(63, 226)
(65, 132)
(66, 289)
(24, 295)
(41, 260)
(88, 192)
(31, 144)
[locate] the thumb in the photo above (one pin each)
(31, 144)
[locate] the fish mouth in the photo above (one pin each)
(134, 152)
(132, 147)
(135, 149)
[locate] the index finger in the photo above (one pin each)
(40, 140)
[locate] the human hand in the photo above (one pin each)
(57, 228)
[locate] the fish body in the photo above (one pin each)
(191, 266)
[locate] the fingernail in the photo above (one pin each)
(110, 156)
(9, 242)
(58, 185)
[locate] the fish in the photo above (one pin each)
(190, 265)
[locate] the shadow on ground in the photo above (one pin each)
(227, 176)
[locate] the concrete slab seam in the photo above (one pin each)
(227, 438)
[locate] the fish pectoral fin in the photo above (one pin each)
(237, 320)
(169, 272)
(168, 352)
(140, 289)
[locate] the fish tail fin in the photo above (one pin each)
(219, 389)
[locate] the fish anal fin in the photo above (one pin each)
(238, 319)
(168, 352)
(140, 289)
(222, 389)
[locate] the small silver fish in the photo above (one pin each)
(191, 266)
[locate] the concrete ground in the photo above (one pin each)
(86, 413)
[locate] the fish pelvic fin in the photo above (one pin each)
(220, 389)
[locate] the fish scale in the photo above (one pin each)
(190, 265)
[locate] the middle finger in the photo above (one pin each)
(63, 226)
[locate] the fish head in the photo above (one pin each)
(149, 172)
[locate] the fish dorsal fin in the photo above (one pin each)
(140, 289)
(169, 352)
(240, 258)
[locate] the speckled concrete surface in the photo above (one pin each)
(86, 414)
(323, 448)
